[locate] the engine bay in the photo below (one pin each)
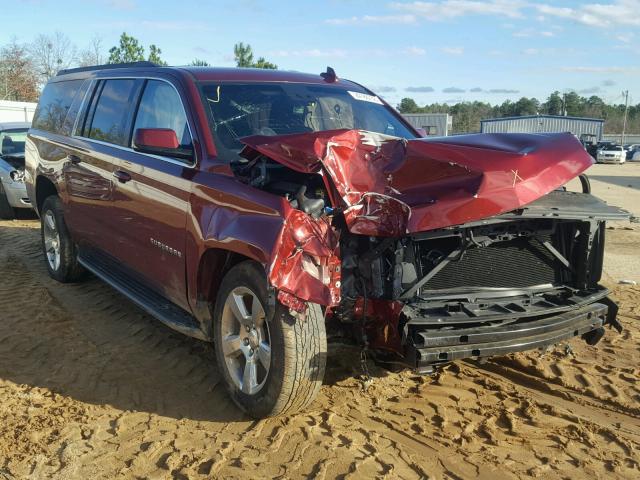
(303, 191)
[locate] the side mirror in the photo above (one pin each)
(422, 132)
(160, 141)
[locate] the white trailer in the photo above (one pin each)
(11, 111)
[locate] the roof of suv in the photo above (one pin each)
(252, 75)
(211, 73)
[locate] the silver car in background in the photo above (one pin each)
(13, 192)
(612, 154)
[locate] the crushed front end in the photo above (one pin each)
(515, 282)
(434, 251)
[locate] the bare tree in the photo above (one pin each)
(52, 53)
(18, 78)
(94, 54)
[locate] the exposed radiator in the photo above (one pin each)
(517, 263)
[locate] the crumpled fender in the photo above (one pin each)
(391, 186)
(305, 262)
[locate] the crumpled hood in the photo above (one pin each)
(392, 186)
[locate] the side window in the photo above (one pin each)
(110, 118)
(54, 104)
(160, 107)
(74, 109)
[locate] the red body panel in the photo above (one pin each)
(392, 186)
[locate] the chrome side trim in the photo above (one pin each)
(107, 144)
(127, 149)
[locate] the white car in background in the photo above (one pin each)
(612, 154)
(13, 192)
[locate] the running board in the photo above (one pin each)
(110, 271)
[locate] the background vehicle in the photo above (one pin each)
(245, 207)
(611, 154)
(590, 143)
(13, 192)
(632, 150)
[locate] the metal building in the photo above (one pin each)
(435, 124)
(545, 123)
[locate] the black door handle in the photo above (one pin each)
(74, 159)
(122, 176)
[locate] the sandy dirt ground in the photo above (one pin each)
(91, 388)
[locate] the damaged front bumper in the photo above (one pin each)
(427, 346)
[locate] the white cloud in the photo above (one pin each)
(202, 50)
(453, 50)
(158, 25)
(411, 12)
(342, 53)
(417, 51)
(420, 89)
(373, 20)
(177, 25)
(453, 90)
(531, 32)
(314, 52)
(615, 13)
(456, 8)
(589, 69)
(625, 37)
(121, 4)
(382, 89)
(531, 51)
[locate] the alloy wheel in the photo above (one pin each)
(51, 240)
(245, 339)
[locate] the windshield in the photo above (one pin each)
(12, 142)
(240, 110)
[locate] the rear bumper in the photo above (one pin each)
(429, 347)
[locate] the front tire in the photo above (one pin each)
(59, 250)
(272, 362)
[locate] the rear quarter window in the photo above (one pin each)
(55, 101)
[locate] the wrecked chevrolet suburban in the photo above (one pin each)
(253, 208)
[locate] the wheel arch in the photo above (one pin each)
(44, 188)
(214, 264)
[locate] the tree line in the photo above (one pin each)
(26, 67)
(467, 115)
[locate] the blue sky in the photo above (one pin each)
(445, 51)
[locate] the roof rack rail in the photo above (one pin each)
(107, 66)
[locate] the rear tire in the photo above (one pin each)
(294, 372)
(60, 253)
(6, 210)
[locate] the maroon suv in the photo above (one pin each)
(252, 208)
